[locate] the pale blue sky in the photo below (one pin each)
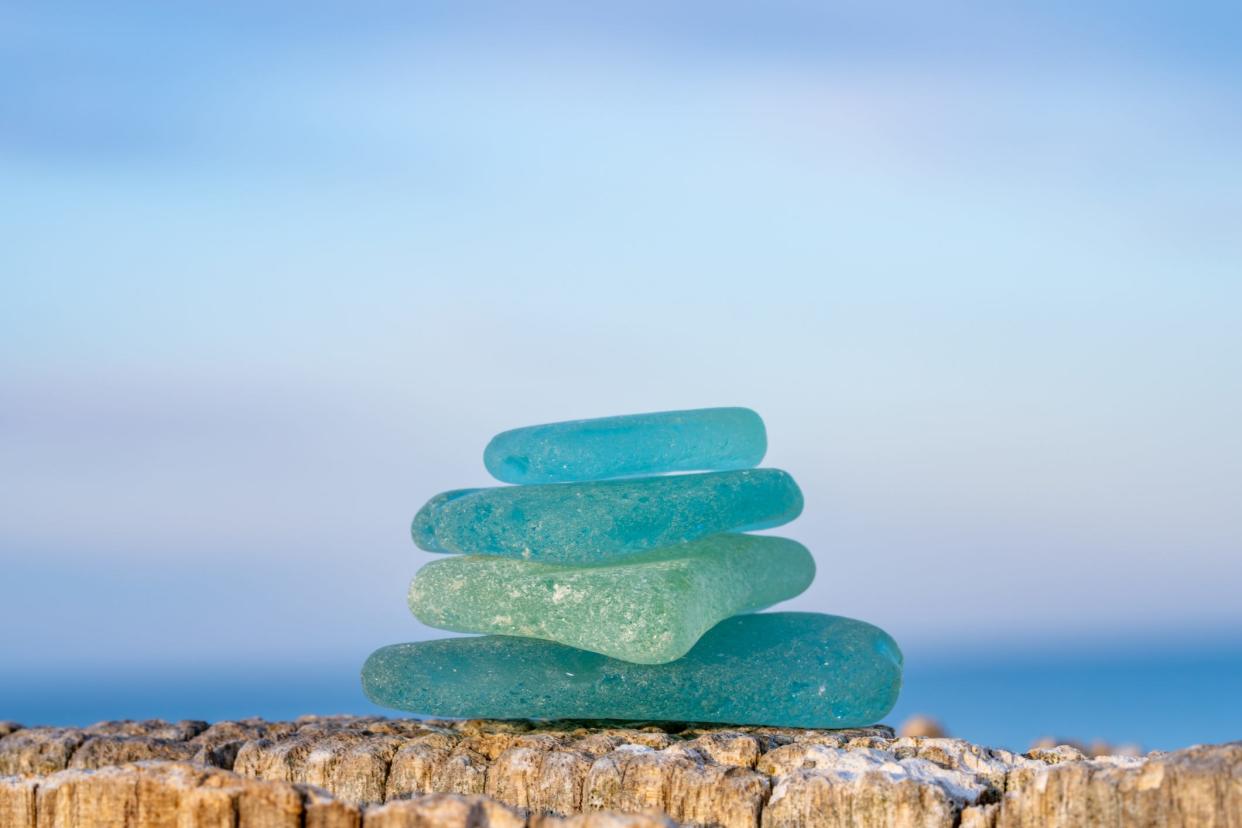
(271, 279)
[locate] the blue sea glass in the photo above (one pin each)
(423, 528)
(784, 669)
(589, 522)
(634, 444)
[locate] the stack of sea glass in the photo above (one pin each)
(609, 587)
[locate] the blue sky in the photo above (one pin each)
(273, 277)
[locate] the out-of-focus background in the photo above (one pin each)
(272, 275)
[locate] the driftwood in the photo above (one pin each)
(379, 773)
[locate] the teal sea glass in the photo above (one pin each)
(589, 522)
(784, 669)
(635, 444)
(648, 608)
(423, 527)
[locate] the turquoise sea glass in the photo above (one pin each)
(423, 527)
(784, 669)
(635, 444)
(649, 608)
(587, 522)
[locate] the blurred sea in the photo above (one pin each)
(1161, 698)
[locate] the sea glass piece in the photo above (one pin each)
(648, 608)
(588, 522)
(786, 669)
(634, 444)
(423, 527)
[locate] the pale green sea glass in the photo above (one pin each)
(589, 522)
(783, 669)
(633, 444)
(648, 608)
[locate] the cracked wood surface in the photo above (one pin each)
(376, 772)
